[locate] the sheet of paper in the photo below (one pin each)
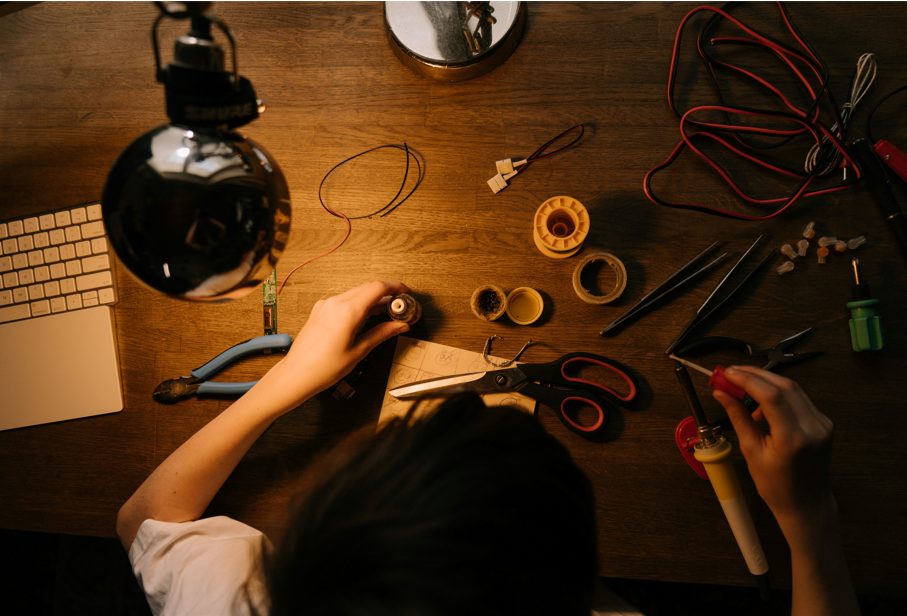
(417, 360)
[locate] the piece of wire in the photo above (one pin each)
(506, 362)
(384, 210)
(748, 133)
(863, 78)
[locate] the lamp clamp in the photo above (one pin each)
(199, 91)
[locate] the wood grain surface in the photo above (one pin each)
(78, 86)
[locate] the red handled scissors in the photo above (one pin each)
(558, 384)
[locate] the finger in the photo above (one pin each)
(748, 433)
(370, 293)
(768, 390)
(379, 333)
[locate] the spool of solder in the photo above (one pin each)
(560, 227)
(404, 307)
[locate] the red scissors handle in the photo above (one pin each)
(582, 428)
(588, 359)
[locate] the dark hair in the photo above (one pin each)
(469, 510)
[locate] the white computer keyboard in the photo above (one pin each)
(53, 263)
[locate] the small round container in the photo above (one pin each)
(525, 305)
(488, 302)
(560, 227)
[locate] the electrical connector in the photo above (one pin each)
(809, 232)
(856, 242)
(827, 240)
(802, 247)
(840, 246)
(508, 165)
(787, 266)
(788, 251)
(497, 183)
(822, 253)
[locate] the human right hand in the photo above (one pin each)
(786, 443)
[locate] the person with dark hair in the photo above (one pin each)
(464, 510)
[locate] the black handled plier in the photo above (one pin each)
(197, 382)
(775, 356)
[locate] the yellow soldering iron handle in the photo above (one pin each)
(716, 457)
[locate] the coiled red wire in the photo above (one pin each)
(786, 125)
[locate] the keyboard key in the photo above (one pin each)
(105, 295)
(94, 211)
(15, 228)
(83, 249)
(57, 270)
(99, 245)
(73, 302)
(95, 263)
(30, 224)
(51, 255)
(20, 260)
(92, 229)
(6, 297)
(26, 276)
(94, 281)
(68, 285)
(4, 232)
(57, 236)
(78, 215)
(58, 304)
(47, 222)
(10, 246)
(20, 294)
(40, 308)
(42, 240)
(6, 264)
(36, 291)
(73, 234)
(89, 298)
(35, 258)
(10, 280)
(73, 268)
(52, 288)
(26, 243)
(13, 313)
(67, 252)
(63, 218)
(42, 273)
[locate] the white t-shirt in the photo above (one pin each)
(200, 567)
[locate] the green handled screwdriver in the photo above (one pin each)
(865, 323)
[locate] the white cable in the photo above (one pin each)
(862, 80)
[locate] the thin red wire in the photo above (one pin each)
(346, 236)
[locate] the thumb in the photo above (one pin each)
(379, 333)
(748, 433)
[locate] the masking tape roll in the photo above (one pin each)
(620, 273)
(560, 227)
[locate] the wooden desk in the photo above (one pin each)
(78, 86)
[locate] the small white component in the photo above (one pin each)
(508, 165)
(827, 240)
(788, 251)
(787, 266)
(840, 246)
(802, 247)
(809, 232)
(856, 242)
(497, 183)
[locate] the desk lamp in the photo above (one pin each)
(192, 208)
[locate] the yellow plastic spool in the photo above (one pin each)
(560, 227)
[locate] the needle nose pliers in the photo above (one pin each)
(775, 356)
(197, 382)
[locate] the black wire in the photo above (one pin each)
(391, 205)
(876, 108)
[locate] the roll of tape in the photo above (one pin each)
(560, 227)
(620, 273)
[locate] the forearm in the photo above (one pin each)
(182, 487)
(820, 580)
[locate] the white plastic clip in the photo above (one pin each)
(508, 166)
(497, 183)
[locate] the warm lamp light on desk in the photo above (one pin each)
(192, 208)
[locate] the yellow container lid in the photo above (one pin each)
(524, 305)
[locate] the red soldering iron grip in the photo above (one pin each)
(719, 382)
(895, 158)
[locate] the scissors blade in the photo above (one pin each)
(440, 386)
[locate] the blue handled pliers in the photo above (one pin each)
(197, 382)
